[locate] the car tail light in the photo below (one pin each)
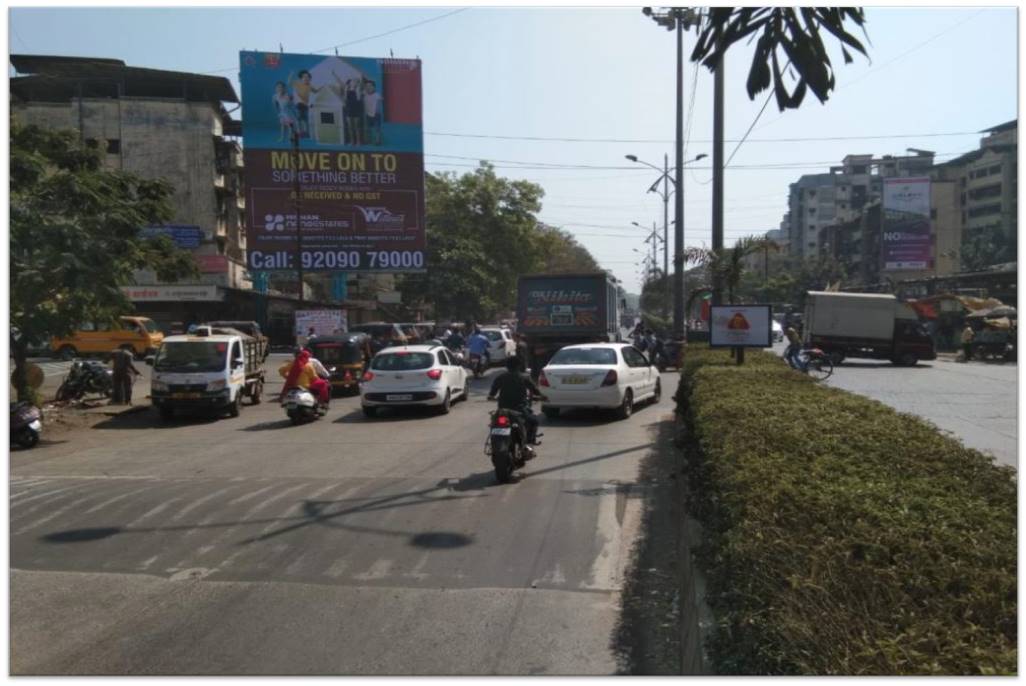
(542, 380)
(348, 375)
(368, 375)
(435, 374)
(610, 379)
(502, 420)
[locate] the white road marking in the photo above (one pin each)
(379, 570)
(53, 515)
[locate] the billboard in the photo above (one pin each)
(561, 303)
(906, 238)
(359, 165)
(740, 325)
(183, 236)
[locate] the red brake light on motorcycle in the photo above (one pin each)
(502, 420)
(610, 379)
(368, 375)
(435, 374)
(543, 380)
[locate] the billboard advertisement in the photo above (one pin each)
(740, 325)
(906, 238)
(359, 165)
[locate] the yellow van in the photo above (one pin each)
(138, 334)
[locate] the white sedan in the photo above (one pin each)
(598, 375)
(413, 375)
(500, 344)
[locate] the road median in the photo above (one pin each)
(843, 537)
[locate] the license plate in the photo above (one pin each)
(186, 396)
(291, 406)
(575, 380)
(403, 396)
(502, 432)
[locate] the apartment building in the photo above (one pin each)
(155, 124)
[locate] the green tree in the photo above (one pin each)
(788, 40)
(482, 234)
(729, 263)
(75, 238)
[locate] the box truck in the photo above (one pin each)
(869, 325)
(556, 310)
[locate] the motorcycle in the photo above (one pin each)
(301, 406)
(86, 377)
(507, 443)
(26, 424)
(477, 365)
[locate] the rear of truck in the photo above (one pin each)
(557, 310)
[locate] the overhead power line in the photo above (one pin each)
(726, 140)
(362, 40)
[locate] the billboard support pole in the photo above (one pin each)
(296, 190)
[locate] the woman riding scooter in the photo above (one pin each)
(301, 373)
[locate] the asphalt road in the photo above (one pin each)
(348, 546)
(976, 402)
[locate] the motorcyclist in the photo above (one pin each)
(455, 341)
(478, 344)
(515, 390)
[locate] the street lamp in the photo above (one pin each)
(665, 195)
(678, 18)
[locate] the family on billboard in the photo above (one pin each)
(331, 101)
(361, 109)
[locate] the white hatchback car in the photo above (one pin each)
(500, 343)
(598, 375)
(413, 375)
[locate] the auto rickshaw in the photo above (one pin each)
(345, 356)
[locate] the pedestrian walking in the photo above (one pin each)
(123, 377)
(967, 342)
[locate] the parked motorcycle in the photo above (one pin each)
(26, 424)
(301, 406)
(86, 377)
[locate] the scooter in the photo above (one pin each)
(301, 406)
(26, 424)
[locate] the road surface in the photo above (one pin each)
(976, 402)
(348, 546)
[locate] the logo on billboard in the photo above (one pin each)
(274, 222)
(381, 217)
(271, 60)
(738, 322)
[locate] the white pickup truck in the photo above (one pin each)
(206, 371)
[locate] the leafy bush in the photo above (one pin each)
(844, 538)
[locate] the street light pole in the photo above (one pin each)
(678, 228)
(296, 190)
(717, 183)
(666, 216)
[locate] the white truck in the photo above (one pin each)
(872, 325)
(210, 370)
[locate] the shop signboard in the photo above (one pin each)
(184, 236)
(746, 326)
(323, 322)
(207, 292)
(358, 166)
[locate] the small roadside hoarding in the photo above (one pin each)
(746, 326)
(323, 322)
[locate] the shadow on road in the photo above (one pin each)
(151, 420)
(882, 364)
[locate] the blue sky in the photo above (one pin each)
(600, 73)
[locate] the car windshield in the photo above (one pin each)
(206, 356)
(149, 325)
(375, 330)
(493, 335)
(399, 362)
(584, 356)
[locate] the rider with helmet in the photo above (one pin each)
(515, 390)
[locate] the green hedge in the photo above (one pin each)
(842, 537)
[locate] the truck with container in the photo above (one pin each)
(867, 325)
(556, 310)
(211, 370)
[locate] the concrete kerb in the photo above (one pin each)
(696, 618)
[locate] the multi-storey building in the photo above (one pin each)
(158, 125)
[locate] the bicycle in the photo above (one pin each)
(816, 363)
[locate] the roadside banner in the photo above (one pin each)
(359, 166)
(745, 326)
(906, 240)
(323, 322)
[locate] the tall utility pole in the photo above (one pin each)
(679, 333)
(717, 184)
(666, 216)
(296, 191)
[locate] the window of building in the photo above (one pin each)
(92, 143)
(113, 146)
(933, 213)
(327, 117)
(985, 210)
(996, 169)
(858, 169)
(812, 210)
